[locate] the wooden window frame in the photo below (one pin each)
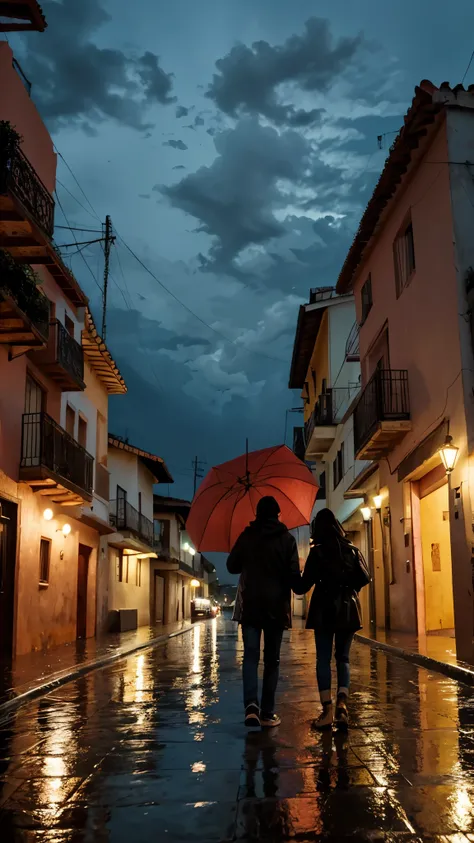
(44, 581)
(404, 272)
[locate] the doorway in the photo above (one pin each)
(436, 552)
(82, 583)
(8, 536)
(159, 598)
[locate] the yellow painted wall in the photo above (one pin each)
(319, 364)
(438, 584)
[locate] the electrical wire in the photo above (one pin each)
(468, 67)
(82, 256)
(72, 228)
(94, 212)
(188, 309)
(58, 181)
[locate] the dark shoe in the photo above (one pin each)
(325, 719)
(269, 721)
(342, 716)
(252, 716)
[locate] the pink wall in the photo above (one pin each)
(418, 323)
(17, 107)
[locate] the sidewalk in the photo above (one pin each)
(36, 673)
(435, 652)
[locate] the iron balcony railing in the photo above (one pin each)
(19, 178)
(46, 445)
(352, 353)
(17, 282)
(68, 353)
(385, 398)
(124, 516)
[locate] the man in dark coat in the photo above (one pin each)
(266, 557)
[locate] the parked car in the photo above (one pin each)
(201, 607)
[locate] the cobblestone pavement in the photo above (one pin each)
(153, 749)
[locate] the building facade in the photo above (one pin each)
(55, 378)
(410, 269)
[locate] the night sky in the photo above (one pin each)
(234, 144)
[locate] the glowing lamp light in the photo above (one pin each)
(186, 547)
(449, 454)
(66, 530)
(195, 583)
(366, 513)
(378, 502)
(48, 514)
(191, 551)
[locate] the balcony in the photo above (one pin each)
(22, 15)
(26, 205)
(53, 463)
(24, 310)
(125, 518)
(382, 414)
(320, 429)
(62, 359)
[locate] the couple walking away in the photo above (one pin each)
(266, 557)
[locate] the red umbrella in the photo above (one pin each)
(227, 499)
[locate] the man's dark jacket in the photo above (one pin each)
(266, 557)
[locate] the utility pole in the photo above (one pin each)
(108, 240)
(198, 473)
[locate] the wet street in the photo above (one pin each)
(154, 749)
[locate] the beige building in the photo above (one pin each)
(125, 590)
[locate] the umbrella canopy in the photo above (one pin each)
(227, 499)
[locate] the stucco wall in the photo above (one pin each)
(123, 472)
(145, 486)
(424, 314)
(19, 109)
(129, 595)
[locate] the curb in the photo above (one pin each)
(59, 679)
(452, 671)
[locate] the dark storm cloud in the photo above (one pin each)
(199, 121)
(181, 111)
(235, 197)
(75, 81)
(176, 144)
(248, 78)
(179, 167)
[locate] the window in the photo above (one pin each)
(338, 467)
(139, 572)
(70, 420)
(122, 567)
(45, 557)
(366, 298)
(82, 432)
(34, 396)
(404, 258)
(69, 325)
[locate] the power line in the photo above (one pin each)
(72, 228)
(468, 68)
(80, 252)
(72, 196)
(79, 186)
(191, 312)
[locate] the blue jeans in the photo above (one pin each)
(324, 644)
(272, 637)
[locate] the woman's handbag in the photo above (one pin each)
(348, 611)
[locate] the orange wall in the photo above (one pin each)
(19, 109)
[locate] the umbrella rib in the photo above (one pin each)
(271, 486)
(211, 513)
(262, 480)
(273, 451)
(237, 501)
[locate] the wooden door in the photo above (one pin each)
(82, 582)
(159, 598)
(8, 534)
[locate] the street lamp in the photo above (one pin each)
(366, 513)
(378, 502)
(449, 454)
(195, 583)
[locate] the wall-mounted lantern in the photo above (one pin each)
(48, 514)
(195, 584)
(449, 454)
(366, 513)
(378, 502)
(65, 530)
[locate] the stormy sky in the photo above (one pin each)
(234, 144)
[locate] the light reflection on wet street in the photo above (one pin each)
(154, 748)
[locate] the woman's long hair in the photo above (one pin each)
(326, 529)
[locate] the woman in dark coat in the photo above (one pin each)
(337, 570)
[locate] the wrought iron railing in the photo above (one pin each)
(18, 177)
(352, 353)
(124, 516)
(385, 398)
(68, 353)
(46, 444)
(18, 283)
(299, 442)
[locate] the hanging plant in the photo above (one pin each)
(10, 140)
